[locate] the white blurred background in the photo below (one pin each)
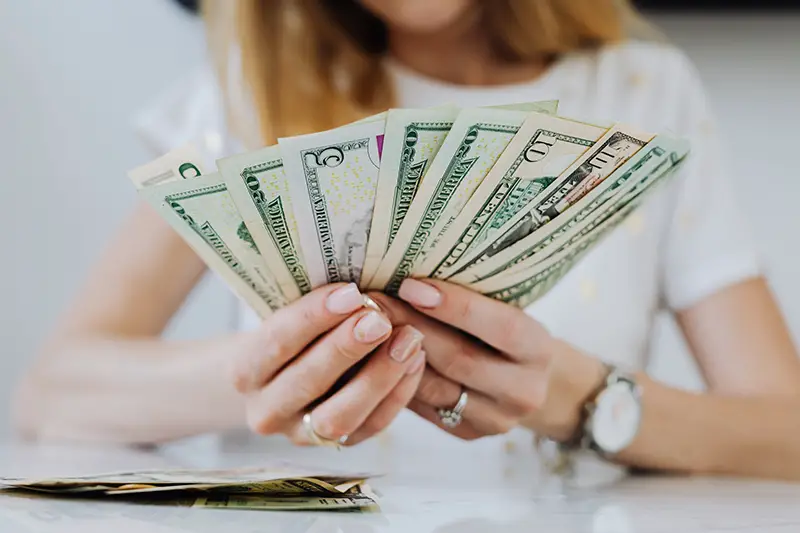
(75, 73)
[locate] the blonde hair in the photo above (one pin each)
(310, 65)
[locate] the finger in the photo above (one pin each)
(464, 430)
(462, 360)
(289, 330)
(312, 374)
(297, 432)
(388, 409)
(483, 413)
(300, 435)
(505, 327)
(380, 417)
(347, 409)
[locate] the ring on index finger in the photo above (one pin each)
(451, 418)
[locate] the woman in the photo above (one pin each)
(570, 368)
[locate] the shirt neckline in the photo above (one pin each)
(411, 79)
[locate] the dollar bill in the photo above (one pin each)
(180, 166)
(182, 163)
(606, 155)
(333, 179)
(202, 211)
(632, 195)
(412, 140)
(587, 211)
(525, 286)
(259, 186)
(542, 149)
(294, 503)
(649, 172)
(282, 486)
(273, 471)
(472, 147)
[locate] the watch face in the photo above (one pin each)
(616, 417)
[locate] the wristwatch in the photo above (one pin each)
(610, 419)
(612, 415)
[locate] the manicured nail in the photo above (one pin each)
(417, 363)
(344, 299)
(371, 328)
(419, 293)
(405, 344)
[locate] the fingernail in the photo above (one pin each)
(344, 299)
(419, 293)
(405, 344)
(371, 327)
(418, 363)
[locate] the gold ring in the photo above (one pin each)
(316, 439)
(372, 304)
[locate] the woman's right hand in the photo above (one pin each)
(301, 351)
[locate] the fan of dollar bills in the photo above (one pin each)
(504, 200)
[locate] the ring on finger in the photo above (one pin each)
(315, 437)
(451, 418)
(372, 304)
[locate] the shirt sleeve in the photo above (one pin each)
(189, 111)
(708, 243)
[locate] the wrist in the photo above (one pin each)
(574, 377)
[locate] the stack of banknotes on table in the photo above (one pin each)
(503, 200)
(272, 488)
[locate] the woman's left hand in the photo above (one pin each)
(514, 372)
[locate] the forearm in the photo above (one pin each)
(681, 431)
(128, 391)
(755, 436)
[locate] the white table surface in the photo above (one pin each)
(424, 490)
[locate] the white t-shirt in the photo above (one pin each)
(686, 242)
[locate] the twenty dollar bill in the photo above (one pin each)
(259, 186)
(413, 138)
